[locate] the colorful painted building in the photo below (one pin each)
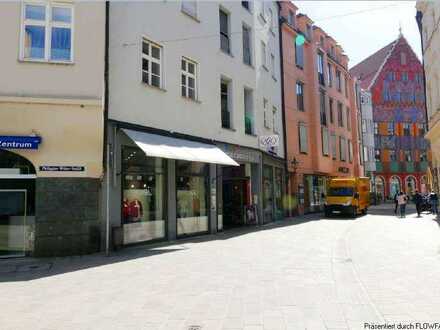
(394, 77)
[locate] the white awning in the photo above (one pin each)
(167, 147)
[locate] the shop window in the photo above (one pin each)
(143, 196)
(192, 197)
(47, 32)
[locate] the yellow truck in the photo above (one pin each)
(347, 196)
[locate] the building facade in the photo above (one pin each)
(320, 114)
(51, 132)
(428, 17)
(394, 77)
(195, 118)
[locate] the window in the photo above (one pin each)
(224, 32)
(47, 33)
(423, 156)
(300, 96)
(266, 116)
(330, 104)
(422, 129)
(299, 55)
(272, 65)
(263, 55)
(338, 80)
(403, 58)
(376, 128)
(333, 142)
(377, 155)
(340, 115)
(348, 119)
(321, 68)
(404, 76)
(393, 156)
(391, 128)
(323, 115)
(407, 155)
(330, 75)
(151, 64)
(189, 79)
(189, 7)
(291, 18)
(346, 86)
(192, 196)
(325, 141)
(366, 158)
(245, 4)
(275, 120)
(303, 144)
(247, 57)
(225, 103)
(248, 111)
(364, 126)
(350, 151)
(406, 129)
(342, 149)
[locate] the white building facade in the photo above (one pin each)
(193, 88)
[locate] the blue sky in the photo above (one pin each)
(363, 27)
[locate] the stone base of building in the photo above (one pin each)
(66, 217)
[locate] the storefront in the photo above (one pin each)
(315, 187)
(273, 189)
(238, 190)
(162, 187)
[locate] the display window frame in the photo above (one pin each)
(205, 175)
(165, 195)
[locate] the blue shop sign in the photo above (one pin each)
(19, 142)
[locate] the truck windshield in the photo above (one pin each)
(340, 191)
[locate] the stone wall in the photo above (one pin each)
(67, 216)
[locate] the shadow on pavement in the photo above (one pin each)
(27, 269)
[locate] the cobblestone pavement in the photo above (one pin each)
(310, 274)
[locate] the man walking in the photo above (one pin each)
(395, 202)
(433, 199)
(401, 201)
(418, 200)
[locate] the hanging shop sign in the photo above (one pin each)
(46, 168)
(343, 169)
(268, 141)
(20, 142)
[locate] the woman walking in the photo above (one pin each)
(401, 200)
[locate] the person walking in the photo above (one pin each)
(418, 200)
(395, 202)
(401, 201)
(433, 199)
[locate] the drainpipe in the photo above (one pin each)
(280, 36)
(106, 153)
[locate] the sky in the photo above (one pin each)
(363, 27)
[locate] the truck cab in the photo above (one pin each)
(347, 196)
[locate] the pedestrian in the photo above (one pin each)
(433, 199)
(401, 201)
(418, 200)
(395, 202)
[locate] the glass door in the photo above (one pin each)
(12, 222)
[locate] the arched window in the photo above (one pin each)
(380, 187)
(395, 186)
(410, 184)
(12, 163)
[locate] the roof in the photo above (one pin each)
(367, 69)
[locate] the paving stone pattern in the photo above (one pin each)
(315, 274)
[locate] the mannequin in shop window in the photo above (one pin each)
(136, 210)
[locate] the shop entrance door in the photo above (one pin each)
(13, 222)
(234, 200)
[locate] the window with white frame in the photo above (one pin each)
(247, 50)
(275, 119)
(224, 32)
(151, 63)
(189, 78)
(47, 32)
(266, 116)
(190, 7)
(342, 149)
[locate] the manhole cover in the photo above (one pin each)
(34, 267)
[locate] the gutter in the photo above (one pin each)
(280, 36)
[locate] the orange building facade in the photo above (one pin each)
(320, 111)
